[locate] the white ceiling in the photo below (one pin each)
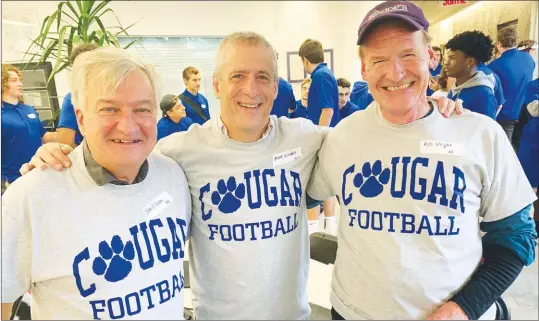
(435, 10)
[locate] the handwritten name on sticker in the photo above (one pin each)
(441, 148)
(157, 205)
(287, 157)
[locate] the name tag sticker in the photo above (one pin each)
(32, 116)
(203, 105)
(157, 205)
(442, 148)
(287, 157)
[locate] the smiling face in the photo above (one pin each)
(120, 127)
(395, 64)
(246, 86)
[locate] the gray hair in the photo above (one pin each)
(106, 68)
(248, 38)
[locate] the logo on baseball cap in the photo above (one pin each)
(403, 10)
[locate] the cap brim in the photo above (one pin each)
(406, 19)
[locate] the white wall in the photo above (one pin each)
(284, 23)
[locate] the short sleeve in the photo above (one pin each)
(506, 189)
(16, 244)
(67, 115)
(319, 186)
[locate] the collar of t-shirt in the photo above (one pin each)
(8, 105)
(102, 176)
(320, 65)
(429, 119)
(223, 129)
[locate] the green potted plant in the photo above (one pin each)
(75, 22)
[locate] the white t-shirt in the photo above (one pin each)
(88, 251)
(411, 197)
(249, 248)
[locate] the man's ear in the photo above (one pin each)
(80, 121)
(364, 72)
(216, 91)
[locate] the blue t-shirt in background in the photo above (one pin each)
(479, 99)
(300, 111)
(166, 126)
(515, 69)
(498, 90)
(68, 118)
(348, 109)
(528, 151)
(285, 99)
(323, 93)
(21, 137)
(436, 71)
(191, 113)
(360, 95)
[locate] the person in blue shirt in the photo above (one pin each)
(174, 117)
(301, 105)
(68, 129)
(435, 68)
(347, 107)
(196, 105)
(466, 51)
(22, 131)
(323, 109)
(360, 95)
(528, 150)
(498, 90)
(323, 94)
(515, 69)
(285, 102)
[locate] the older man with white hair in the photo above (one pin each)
(106, 237)
(412, 195)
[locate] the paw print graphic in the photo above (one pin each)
(371, 180)
(110, 263)
(228, 196)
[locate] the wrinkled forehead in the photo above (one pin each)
(248, 57)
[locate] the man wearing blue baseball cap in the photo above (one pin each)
(412, 195)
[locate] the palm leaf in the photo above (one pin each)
(76, 22)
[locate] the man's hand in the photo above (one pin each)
(446, 106)
(50, 154)
(448, 311)
(433, 84)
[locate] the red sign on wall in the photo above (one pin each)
(452, 2)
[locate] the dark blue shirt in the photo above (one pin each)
(498, 90)
(300, 111)
(436, 71)
(479, 99)
(360, 95)
(285, 99)
(348, 110)
(68, 118)
(21, 137)
(515, 69)
(191, 113)
(323, 93)
(166, 126)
